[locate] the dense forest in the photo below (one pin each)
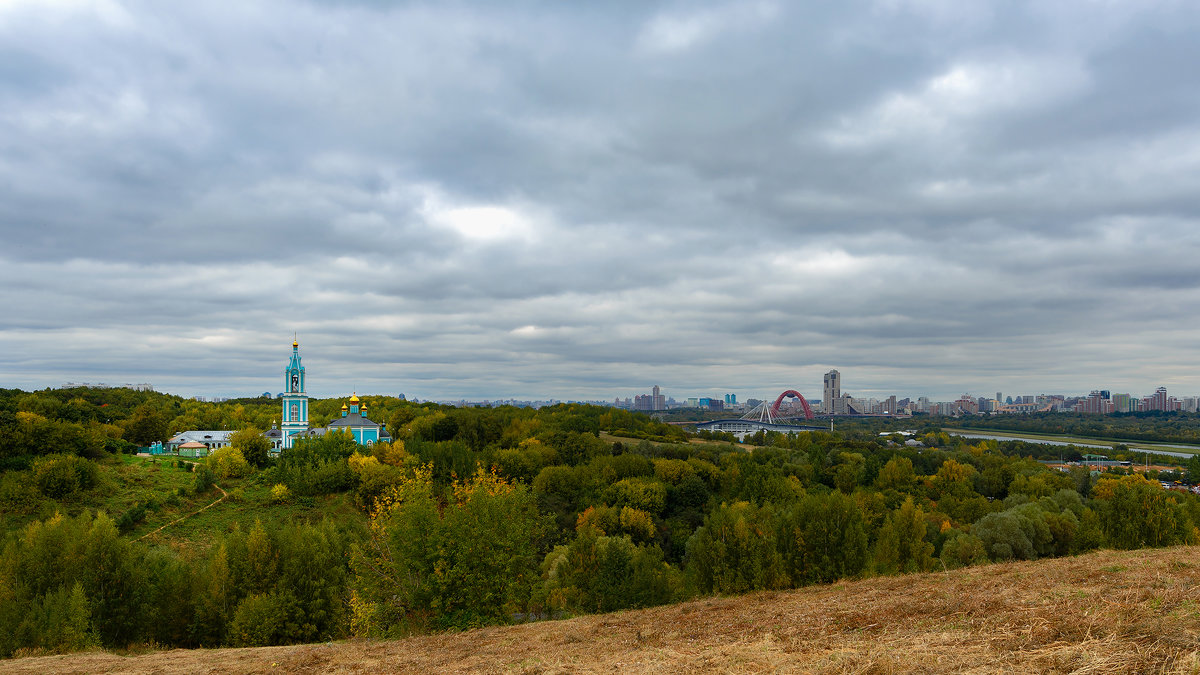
(478, 516)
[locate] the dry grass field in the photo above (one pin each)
(1107, 612)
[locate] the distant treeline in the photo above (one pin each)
(1156, 425)
(479, 516)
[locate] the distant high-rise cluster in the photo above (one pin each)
(1101, 401)
(650, 402)
(141, 386)
(837, 402)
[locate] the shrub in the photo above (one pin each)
(229, 463)
(204, 478)
(61, 475)
(258, 621)
(131, 517)
(280, 494)
(963, 549)
(17, 492)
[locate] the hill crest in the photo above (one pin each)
(1108, 611)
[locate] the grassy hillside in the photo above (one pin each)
(1109, 612)
(163, 487)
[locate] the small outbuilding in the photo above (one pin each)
(193, 449)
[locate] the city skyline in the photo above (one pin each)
(574, 200)
(657, 398)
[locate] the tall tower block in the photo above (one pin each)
(295, 401)
(831, 401)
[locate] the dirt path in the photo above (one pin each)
(183, 518)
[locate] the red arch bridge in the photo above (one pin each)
(766, 417)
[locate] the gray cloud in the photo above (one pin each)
(544, 199)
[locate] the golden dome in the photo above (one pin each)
(354, 398)
(295, 343)
(345, 407)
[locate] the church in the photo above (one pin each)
(294, 418)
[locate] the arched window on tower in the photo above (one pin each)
(295, 412)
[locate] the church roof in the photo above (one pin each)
(353, 420)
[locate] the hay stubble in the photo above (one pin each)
(1106, 612)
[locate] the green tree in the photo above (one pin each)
(146, 425)
(897, 475)
(1138, 513)
(228, 463)
(901, 547)
(215, 600)
(61, 621)
(644, 494)
(849, 472)
(471, 562)
(258, 621)
(961, 549)
(60, 475)
(253, 445)
(597, 573)
(735, 551)
(115, 583)
(1193, 469)
(823, 538)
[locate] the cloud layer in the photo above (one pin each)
(555, 199)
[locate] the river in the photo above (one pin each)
(1078, 445)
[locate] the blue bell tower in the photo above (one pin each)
(295, 401)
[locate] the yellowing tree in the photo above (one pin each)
(467, 561)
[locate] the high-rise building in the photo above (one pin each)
(967, 404)
(1096, 402)
(832, 400)
(650, 402)
(1156, 401)
(1124, 403)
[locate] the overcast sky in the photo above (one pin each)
(581, 200)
